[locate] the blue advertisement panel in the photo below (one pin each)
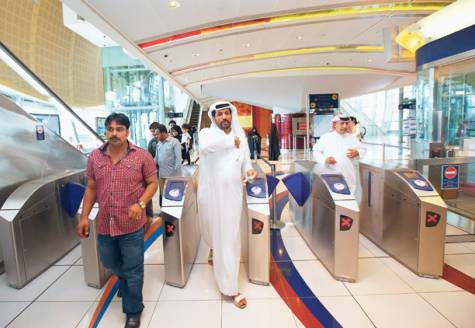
(450, 177)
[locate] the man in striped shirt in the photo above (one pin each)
(122, 179)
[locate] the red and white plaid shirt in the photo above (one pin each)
(118, 186)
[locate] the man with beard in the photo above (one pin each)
(224, 161)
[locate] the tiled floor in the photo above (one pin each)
(385, 295)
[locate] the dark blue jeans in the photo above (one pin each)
(124, 256)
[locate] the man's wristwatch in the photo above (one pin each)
(142, 204)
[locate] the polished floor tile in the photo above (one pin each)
(419, 284)
(456, 248)
(375, 250)
(258, 313)
(364, 252)
(33, 289)
(9, 310)
(196, 314)
(298, 249)
(457, 307)
(462, 262)
(52, 314)
(376, 278)
(319, 280)
(403, 310)
(70, 287)
(346, 311)
(114, 317)
(201, 286)
(154, 255)
(253, 291)
(72, 257)
(289, 230)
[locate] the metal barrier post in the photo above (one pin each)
(276, 224)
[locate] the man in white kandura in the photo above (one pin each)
(224, 161)
(340, 150)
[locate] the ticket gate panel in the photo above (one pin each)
(95, 273)
(181, 232)
(411, 214)
(329, 220)
(256, 227)
(432, 236)
(175, 268)
(400, 232)
(372, 198)
(346, 241)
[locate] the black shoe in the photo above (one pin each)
(119, 293)
(132, 321)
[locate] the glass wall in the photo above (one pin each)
(379, 112)
(446, 103)
(142, 94)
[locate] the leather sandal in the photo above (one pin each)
(240, 301)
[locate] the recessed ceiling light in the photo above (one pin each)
(299, 37)
(247, 45)
(195, 54)
(370, 60)
(173, 4)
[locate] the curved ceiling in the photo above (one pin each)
(269, 52)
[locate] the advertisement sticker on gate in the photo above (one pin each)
(450, 177)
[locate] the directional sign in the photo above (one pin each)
(450, 177)
(323, 102)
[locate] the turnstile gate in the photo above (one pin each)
(181, 230)
(95, 273)
(328, 220)
(36, 227)
(257, 216)
(403, 214)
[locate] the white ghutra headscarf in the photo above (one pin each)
(236, 128)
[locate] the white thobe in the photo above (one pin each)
(220, 199)
(334, 144)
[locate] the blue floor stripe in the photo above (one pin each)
(295, 280)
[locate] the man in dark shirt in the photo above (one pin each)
(152, 148)
(122, 179)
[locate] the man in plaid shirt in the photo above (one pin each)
(122, 179)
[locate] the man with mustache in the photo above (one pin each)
(224, 161)
(340, 150)
(122, 179)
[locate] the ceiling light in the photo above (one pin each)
(247, 45)
(370, 60)
(299, 37)
(173, 4)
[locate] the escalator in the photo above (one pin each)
(42, 176)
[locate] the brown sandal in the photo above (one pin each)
(240, 301)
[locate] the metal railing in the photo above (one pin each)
(385, 145)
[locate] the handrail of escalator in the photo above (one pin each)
(18, 61)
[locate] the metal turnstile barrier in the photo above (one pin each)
(181, 227)
(402, 213)
(95, 273)
(328, 220)
(36, 227)
(257, 229)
